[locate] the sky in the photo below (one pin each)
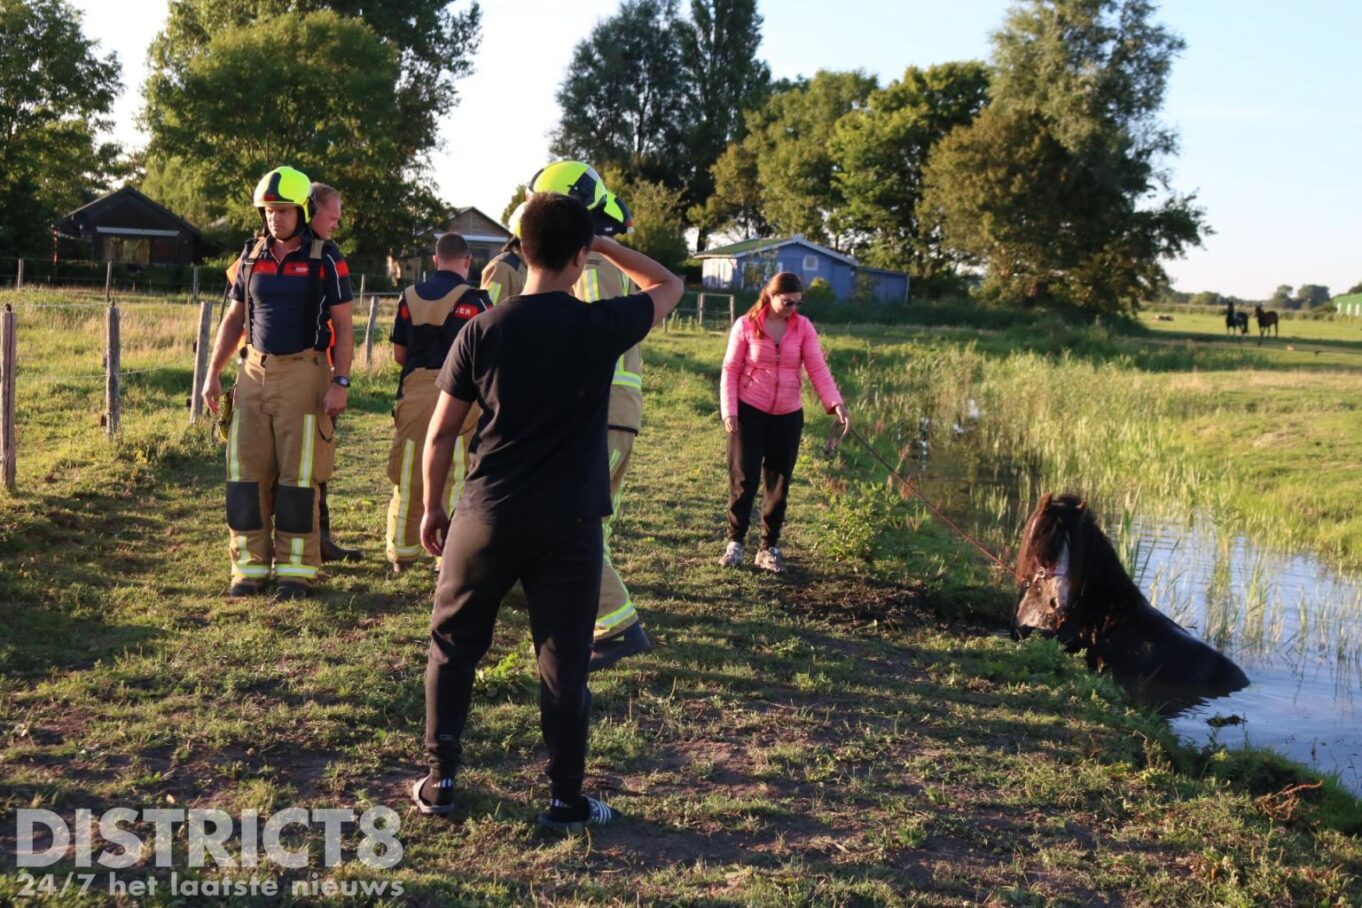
(1265, 98)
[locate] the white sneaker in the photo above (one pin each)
(732, 556)
(771, 560)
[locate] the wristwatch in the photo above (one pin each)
(342, 380)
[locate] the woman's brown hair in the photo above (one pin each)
(782, 282)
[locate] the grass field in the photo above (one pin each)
(857, 732)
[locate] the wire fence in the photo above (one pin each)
(154, 354)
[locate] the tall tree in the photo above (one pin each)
(719, 47)
(434, 45)
(735, 203)
(1058, 187)
(55, 93)
(791, 138)
(224, 122)
(881, 151)
(1309, 296)
(625, 101)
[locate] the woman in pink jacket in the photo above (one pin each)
(763, 411)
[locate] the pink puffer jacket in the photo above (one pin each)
(763, 374)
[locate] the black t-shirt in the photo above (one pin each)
(541, 367)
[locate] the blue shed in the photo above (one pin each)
(749, 264)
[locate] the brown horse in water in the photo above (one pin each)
(1075, 589)
(1266, 320)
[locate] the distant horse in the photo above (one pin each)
(1235, 321)
(1266, 320)
(1075, 589)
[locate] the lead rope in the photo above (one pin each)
(910, 485)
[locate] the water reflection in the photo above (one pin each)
(1293, 624)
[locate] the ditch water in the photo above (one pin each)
(1291, 622)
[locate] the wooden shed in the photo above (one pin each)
(484, 234)
(748, 264)
(125, 226)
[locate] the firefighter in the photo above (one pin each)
(291, 291)
(429, 317)
(619, 631)
(327, 201)
(504, 276)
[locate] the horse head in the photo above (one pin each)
(1051, 565)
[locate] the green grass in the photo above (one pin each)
(857, 732)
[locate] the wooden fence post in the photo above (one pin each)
(369, 331)
(19, 279)
(108, 281)
(111, 372)
(9, 358)
(361, 288)
(732, 311)
(196, 284)
(201, 354)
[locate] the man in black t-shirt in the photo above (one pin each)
(540, 365)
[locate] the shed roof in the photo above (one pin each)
(761, 244)
(89, 213)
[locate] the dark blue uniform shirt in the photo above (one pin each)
(278, 298)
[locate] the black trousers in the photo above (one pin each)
(764, 446)
(558, 561)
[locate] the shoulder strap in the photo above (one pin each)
(253, 250)
(513, 259)
(313, 305)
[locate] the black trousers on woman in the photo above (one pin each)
(765, 447)
(558, 561)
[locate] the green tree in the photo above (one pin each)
(659, 220)
(55, 94)
(1309, 296)
(735, 203)
(1355, 288)
(625, 100)
(726, 77)
(517, 196)
(433, 44)
(880, 152)
(1058, 187)
(1207, 298)
(228, 118)
(791, 137)
(1283, 298)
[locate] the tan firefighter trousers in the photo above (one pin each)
(411, 420)
(281, 445)
(616, 613)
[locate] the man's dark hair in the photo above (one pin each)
(553, 229)
(451, 246)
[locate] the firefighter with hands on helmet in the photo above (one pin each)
(504, 276)
(619, 632)
(429, 318)
(292, 290)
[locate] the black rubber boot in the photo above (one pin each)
(330, 550)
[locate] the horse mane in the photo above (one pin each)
(1104, 592)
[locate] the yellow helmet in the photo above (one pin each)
(514, 225)
(613, 218)
(285, 186)
(572, 178)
